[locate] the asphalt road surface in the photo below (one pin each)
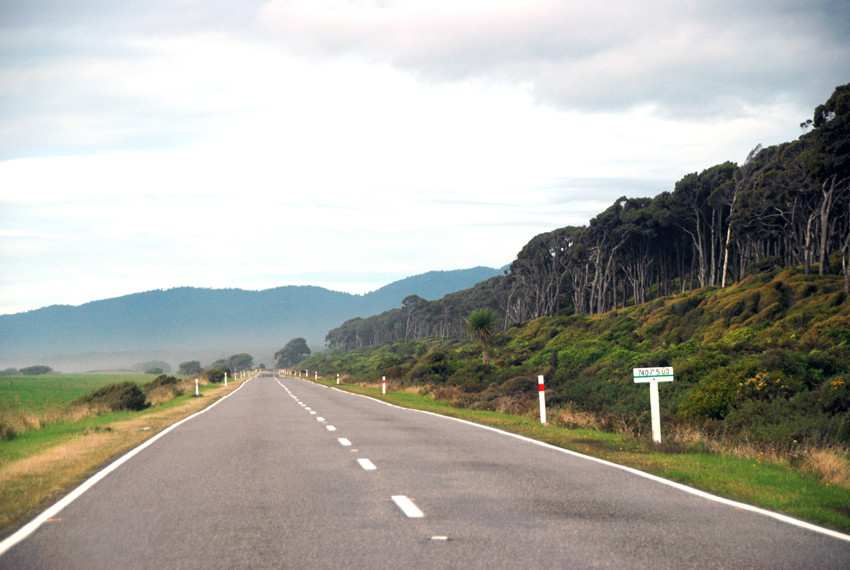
(286, 473)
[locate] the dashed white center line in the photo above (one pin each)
(331, 428)
(344, 442)
(313, 413)
(407, 507)
(366, 464)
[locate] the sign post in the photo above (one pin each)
(653, 376)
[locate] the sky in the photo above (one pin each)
(352, 143)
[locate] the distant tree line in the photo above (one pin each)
(786, 205)
(36, 370)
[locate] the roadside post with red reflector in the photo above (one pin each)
(542, 393)
(383, 385)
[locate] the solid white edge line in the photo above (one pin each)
(52, 511)
(366, 464)
(691, 490)
(407, 507)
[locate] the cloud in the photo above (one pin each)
(684, 59)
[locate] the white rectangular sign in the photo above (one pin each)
(657, 374)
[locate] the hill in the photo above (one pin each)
(195, 324)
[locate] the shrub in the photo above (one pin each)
(713, 397)
(215, 374)
(119, 396)
(474, 376)
(7, 432)
(835, 396)
(436, 366)
(767, 386)
(160, 381)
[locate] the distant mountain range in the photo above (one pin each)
(188, 323)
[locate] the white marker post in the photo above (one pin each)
(337, 379)
(196, 386)
(383, 385)
(653, 376)
(316, 375)
(540, 390)
(225, 379)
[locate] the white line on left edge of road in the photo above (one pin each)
(407, 507)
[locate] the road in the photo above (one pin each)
(286, 473)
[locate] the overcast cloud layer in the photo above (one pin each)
(349, 143)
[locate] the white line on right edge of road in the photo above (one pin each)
(407, 507)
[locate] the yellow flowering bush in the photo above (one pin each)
(768, 386)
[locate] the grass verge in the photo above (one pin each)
(40, 466)
(776, 486)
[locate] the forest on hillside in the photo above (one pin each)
(786, 206)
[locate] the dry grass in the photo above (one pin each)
(830, 464)
(20, 421)
(570, 416)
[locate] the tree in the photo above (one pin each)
(294, 352)
(481, 326)
(242, 361)
(189, 368)
(740, 177)
(36, 370)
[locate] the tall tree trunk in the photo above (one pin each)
(825, 210)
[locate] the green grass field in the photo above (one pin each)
(40, 393)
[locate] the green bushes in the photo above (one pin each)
(116, 397)
(436, 366)
(713, 396)
(215, 375)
